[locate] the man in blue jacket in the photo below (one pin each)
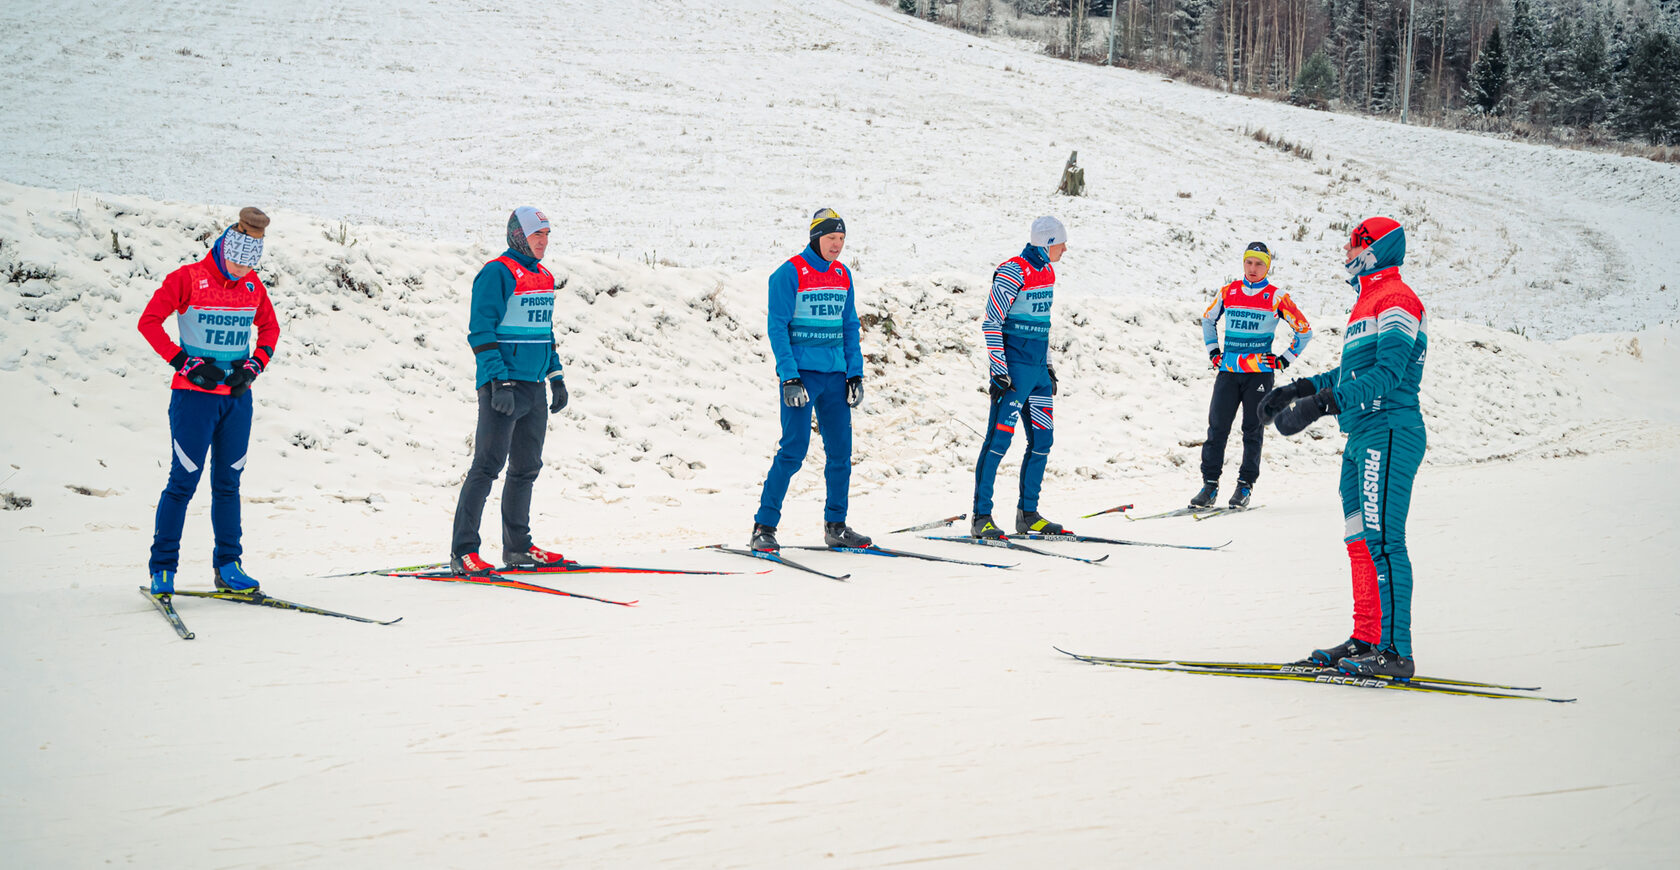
(510, 328)
(813, 330)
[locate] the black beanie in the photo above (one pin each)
(826, 221)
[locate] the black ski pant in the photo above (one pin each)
(1231, 390)
(516, 441)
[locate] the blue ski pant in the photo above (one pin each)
(834, 420)
(200, 424)
(1029, 397)
(1378, 469)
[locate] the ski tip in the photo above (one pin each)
(1099, 559)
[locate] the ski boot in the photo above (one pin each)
(1204, 499)
(232, 578)
(841, 535)
(1239, 499)
(470, 565)
(1033, 522)
(764, 539)
(983, 527)
(163, 582)
(1385, 663)
(1327, 658)
(535, 557)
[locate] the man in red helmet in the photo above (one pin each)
(1374, 395)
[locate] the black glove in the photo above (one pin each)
(198, 371)
(793, 393)
(1301, 414)
(243, 374)
(1214, 355)
(1275, 362)
(1273, 403)
(501, 397)
(854, 391)
(1052, 370)
(561, 397)
(1001, 384)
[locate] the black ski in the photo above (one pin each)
(1210, 513)
(769, 556)
(904, 554)
(167, 608)
(431, 566)
(1117, 509)
(936, 524)
(1087, 539)
(1281, 667)
(1336, 678)
(1181, 512)
(1009, 545)
(262, 599)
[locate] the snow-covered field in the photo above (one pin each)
(916, 714)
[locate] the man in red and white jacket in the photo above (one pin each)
(218, 303)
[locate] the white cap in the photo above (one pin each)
(530, 220)
(1047, 231)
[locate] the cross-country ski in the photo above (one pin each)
(873, 550)
(261, 599)
(1092, 539)
(1007, 544)
(776, 557)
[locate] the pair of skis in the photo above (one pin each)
(1206, 513)
(1311, 673)
(165, 605)
(872, 550)
(509, 577)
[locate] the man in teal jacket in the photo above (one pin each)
(510, 328)
(1374, 395)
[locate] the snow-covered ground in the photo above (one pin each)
(917, 713)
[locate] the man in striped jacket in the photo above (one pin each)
(1251, 308)
(1374, 395)
(1016, 327)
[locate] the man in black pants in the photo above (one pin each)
(1252, 307)
(510, 328)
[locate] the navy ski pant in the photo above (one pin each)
(1028, 398)
(200, 424)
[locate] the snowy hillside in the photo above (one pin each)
(699, 133)
(915, 714)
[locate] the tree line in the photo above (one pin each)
(1605, 68)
